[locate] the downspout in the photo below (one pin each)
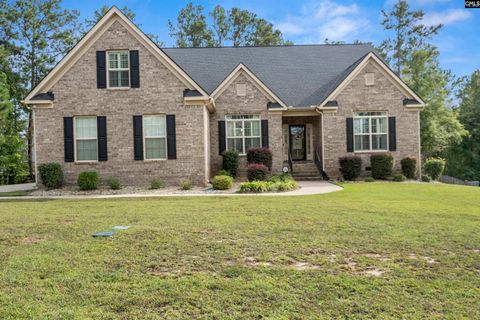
(323, 138)
(419, 149)
(35, 169)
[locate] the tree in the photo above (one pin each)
(264, 34)
(409, 33)
(463, 160)
(191, 29)
(439, 126)
(99, 13)
(242, 25)
(41, 32)
(221, 25)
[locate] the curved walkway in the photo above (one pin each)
(306, 188)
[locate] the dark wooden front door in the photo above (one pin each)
(298, 139)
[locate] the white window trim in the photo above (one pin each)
(154, 137)
(227, 120)
(75, 139)
(370, 134)
(117, 69)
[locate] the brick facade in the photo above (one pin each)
(160, 91)
(197, 145)
(382, 96)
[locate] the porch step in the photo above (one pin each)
(305, 170)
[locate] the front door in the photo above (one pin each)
(297, 142)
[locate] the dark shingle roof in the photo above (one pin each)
(44, 96)
(299, 75)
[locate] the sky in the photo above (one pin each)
(311, 21)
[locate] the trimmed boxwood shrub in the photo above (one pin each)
(88, 180)
(426, 178)
(230, 161)
(113, 183)
(382, 165)
(156, 184)
(266, 186)
(434, 167)
(257, 172)
(409, 167)
(222, 182)
(369, 179)
(185, 184)
(350, 167)
(399, 177)
(51, 175)
(260, 155)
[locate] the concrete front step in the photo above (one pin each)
(308, 178)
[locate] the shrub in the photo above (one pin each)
(350, 167)
(281, 177)
(156, 184)
(426, 178)
(265, 186)
(257, 171)
(399, 177)
(224, 173)
(113, 183)
(382, 165)
(222, 182)
(88, 180)
(51, 175)
(434, 167)
(260, 155)
(230, 162)
(409, 166)
(185, 184)
(369, 179)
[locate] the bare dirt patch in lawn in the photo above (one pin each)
(33, 239)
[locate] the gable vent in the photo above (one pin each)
(369, 79)
(241, 89)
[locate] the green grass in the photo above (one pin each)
(239, 257)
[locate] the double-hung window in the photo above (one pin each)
(370, 131)
(118, 69)
(243, 132)
(86, 139)
(155, 138)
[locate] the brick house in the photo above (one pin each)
(120, 105)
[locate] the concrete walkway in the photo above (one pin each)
(306, 188)
(18, 187)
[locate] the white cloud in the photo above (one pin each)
(323, 19)
(446, 17)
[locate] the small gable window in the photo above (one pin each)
(118, 65)
(369, 79)
(241, 89)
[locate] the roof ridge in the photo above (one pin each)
(278, 46)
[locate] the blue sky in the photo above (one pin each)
(311, 21)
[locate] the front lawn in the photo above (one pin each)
(378, 250)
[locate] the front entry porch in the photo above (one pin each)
(302, 146)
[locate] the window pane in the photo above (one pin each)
(239, 129)
(154, 126)
(86, 150)
(362, 143)
(112, 60)
(86, 127)
(379, 142)
(155, 148)
(113, 79)
(379, 125)
(235, 144)
(124, 80)
(230, 129)
(124, 60)
(252, 128)
(361, 125)
(242, 116)
(252, 143)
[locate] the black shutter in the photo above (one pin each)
(171, 137)
(134, 69)
(137, 138)
(392, 134)
(102, 138)
(68, 139)
(101, 70)
(221, 137)
(349, 134)
(265, 133)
